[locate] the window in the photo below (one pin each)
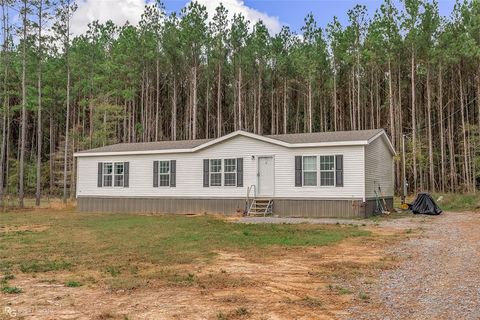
(113, 174)
(107, 174)
(310, 171)
(164, 173)
(230, 178)
(216, 172)
(327, 170)
(119, 170)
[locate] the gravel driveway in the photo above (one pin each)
(439, 278)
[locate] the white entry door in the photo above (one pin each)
(265, 176)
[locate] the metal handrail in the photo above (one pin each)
(268, 209)
(247, 201)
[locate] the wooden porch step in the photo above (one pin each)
(261, 206)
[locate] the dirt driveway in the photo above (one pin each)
(439, 277)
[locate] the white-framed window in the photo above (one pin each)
(216, 172)
(119, 170)
(309, 170)
(230, 175)
(107, 174)
(164, 173)
(113, 174)
(327, 170)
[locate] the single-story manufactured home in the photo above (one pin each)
(323, 174)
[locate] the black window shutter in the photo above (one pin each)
(155, 174)
(126, 174)
(339, 170)
(173, 173)
(99, 177)
(206, 172)
(298, 171)
(239, 172)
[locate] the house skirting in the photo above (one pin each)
(371, 205)
(283, 207)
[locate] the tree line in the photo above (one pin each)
(186, 75)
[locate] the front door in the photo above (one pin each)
(265, 176)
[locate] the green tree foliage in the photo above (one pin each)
(186, 75)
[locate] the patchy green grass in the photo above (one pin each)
(363, 296)
(121, 245)
(450, 201)
(5, 287)
(307, 301)
(458, 202)
(43, 266)
(11, 290)
(73, 284)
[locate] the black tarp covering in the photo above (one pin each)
(424, 204)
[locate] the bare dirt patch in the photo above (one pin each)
(26, 228)
(290, 283)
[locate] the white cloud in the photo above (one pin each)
(119, 11)
(237, 6)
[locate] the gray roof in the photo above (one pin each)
(147, 146)
(332, 136)
(315, 137)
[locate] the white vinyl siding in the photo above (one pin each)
(189, 173)
(378, 169)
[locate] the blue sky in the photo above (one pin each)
(274, 13)
(292, 12)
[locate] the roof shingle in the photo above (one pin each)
(292, 138)
(332, 136)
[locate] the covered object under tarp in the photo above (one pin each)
(424, 204)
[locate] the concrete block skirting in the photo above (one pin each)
(309, 208)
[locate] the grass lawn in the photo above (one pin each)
(458, 202)
(124, 245)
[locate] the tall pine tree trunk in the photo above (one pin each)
(157, 101)
(52, 151)
(466, 165)
(24, 107)
(67, 116)
(430, 139)
(477, 150)
(207, 110)
(285, 118)
(441, 125)
(39, 111)
(334, 98)
(5, 101)
(272, 111)
(194, 103)
(219, 101)
(174, 110)
(359, 121)
(390, 102)
(309, 105)
(259, 106)
(414, 122)
(239, 97)
(451, 146)
(372, 103)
